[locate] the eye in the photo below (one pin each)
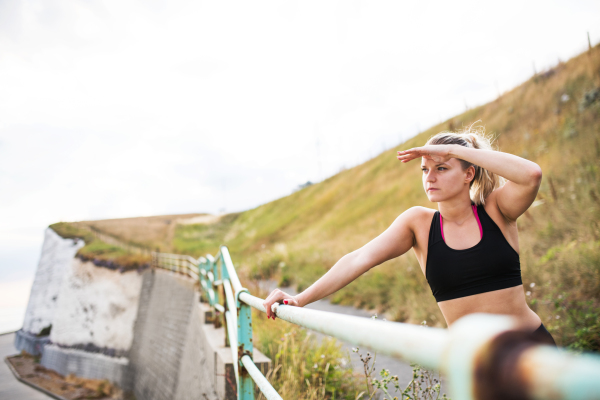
(442, 168)
(423, 169)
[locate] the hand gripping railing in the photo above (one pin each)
(483, 356)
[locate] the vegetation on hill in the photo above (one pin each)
(99, 252)
(552, 119)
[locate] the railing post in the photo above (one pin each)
(222, 275)
(203, 282)
(217, 322)
(245, 347)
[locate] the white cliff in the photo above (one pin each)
(56, 258)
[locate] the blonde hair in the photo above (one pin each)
(484, 181)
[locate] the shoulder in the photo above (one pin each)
(422, 212)
(493, 211)
(417, 216)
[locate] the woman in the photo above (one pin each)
(468, 249)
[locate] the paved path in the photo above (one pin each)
(394, 365)
(10, 387)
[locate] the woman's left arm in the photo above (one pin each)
(523, 177)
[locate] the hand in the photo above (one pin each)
(278, 296)
(439, 153)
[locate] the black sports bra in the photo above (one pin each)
(491, 264)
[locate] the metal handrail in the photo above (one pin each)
(484, 356)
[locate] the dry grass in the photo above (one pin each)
(155, 232)
(302, 367)
(99, 252)
(297, 238)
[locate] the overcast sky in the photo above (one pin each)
(128, 108)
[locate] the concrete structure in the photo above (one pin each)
(179, 355)
(144, 331)
(10, 387)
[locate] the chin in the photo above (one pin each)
(434, 198)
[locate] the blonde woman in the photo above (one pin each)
(468, 248)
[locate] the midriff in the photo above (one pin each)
(510, 301)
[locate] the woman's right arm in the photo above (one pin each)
(393, 242)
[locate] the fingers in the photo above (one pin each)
(410, 154)
(407, 158)
(276, 296)
(269, 301)
(291, 301)
(413, 150)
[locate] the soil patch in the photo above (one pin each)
(27, 369)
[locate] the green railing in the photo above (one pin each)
(483, 356)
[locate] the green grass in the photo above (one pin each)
(297, 238)
(301, 366)
(98, 251)
(199, 239)
(68, 230)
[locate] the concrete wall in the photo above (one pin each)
(67, 361)
(176, 354)
(167, 356)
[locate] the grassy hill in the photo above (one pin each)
(552, 119)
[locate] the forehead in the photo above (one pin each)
(431, 163)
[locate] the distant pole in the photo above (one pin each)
(589, 41)
(224, 195)
(466, 106)
(318, 154)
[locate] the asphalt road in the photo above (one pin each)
(394, 365)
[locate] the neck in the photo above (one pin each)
(456, 210)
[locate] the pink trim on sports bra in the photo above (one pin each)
(476, 217)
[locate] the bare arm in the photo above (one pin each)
(393, 242)
(524, 176)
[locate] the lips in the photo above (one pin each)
(432, 189)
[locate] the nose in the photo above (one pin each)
(430, 176)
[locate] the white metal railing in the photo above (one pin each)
(484, 356)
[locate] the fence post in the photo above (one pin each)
(222, 275)
(245, 347)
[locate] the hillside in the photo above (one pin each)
(552, 119)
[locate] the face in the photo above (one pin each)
(443, 181)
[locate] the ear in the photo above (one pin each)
(470, 173)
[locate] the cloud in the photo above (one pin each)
(115, 109)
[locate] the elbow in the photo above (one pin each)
(536, 176)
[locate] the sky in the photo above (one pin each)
(127, 108)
